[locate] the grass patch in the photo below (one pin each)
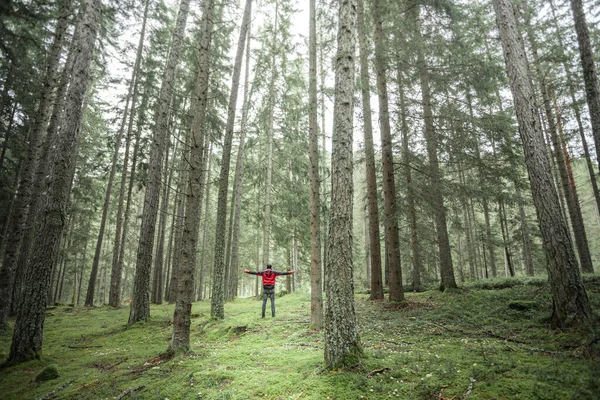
(433, 346)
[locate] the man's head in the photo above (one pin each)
(269, 266)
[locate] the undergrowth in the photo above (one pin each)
(435, 345)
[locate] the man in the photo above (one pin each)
(268, 279)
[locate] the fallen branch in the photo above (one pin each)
(72, 346)
(397, 344)
(304, 344)
(126, 392)
(377, 371)
(109, 367)
(58, 389)
(485, 333)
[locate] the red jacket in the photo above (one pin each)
(268, 276)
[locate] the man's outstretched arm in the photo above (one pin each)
(251, 272)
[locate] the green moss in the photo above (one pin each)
(48, 373)
(431, 347)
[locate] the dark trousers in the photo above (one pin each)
(268, 293)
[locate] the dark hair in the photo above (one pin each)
(269, 266)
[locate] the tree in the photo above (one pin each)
(140, 304)
(238, 177)
(570, 302)
(218, 293)
(443, 241)
(29, 327)
(569, 190)
(180, 339)
(316, 274)
(17, 223)
(342, 342)
(373, 208)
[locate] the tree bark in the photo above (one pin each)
(342, 342)
(29, 326)
(570, 301)
(180, 340)
(140, 304)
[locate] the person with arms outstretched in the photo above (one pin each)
(268, 278)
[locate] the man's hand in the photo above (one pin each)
(291, 272)
(247, 271)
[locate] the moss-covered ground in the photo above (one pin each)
(488, 341)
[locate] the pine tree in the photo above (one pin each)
(342, 342)
(570, 302)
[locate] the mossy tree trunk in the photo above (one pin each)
(342, 342)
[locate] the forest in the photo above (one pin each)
(426, 170)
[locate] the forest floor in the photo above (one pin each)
(489, 341)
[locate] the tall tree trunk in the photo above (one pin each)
(569, 190)
(570, 301)
(116, 275)
(29, 326)
(446, 267)
(392, 248)
(417, 264)
(239, 174)
(217, 304)
(372, 207)
(316, 274)
(140, 304)
(17, 227)
(342, 342)
(158, 282)
(590, 73)
(89, 300)
(489, 241)
(587, 267)
(270, 115)
(180, 340)
(114, 298)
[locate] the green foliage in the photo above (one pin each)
(435, 345)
